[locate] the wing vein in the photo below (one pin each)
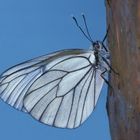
(86, 95)
(80, 97)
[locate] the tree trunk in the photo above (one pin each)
(123, 103)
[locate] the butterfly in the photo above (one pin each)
(60, 89)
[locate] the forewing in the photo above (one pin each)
(66, 94)
(14, 86)
(15, 82)
(59, 89)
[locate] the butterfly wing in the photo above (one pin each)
(59, 89)
(15, 82)
(67, 92)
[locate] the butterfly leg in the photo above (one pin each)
(106, 35)
(108, 2)
(111, 69)
(104, 46)
(106, 81)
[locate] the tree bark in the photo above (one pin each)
(123, 104)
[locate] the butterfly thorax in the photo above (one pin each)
(96, 48)
(96, 58)
(99, 53)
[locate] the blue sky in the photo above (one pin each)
(31, 28)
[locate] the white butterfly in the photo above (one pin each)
(59, 89)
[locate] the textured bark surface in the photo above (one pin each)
(123, 105)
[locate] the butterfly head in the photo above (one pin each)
(97, 46)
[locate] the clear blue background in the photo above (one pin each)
(30, 28)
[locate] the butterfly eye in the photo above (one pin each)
(98, 46)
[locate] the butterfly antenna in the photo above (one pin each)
(106, 34)
(81, 29)
(85, 22)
